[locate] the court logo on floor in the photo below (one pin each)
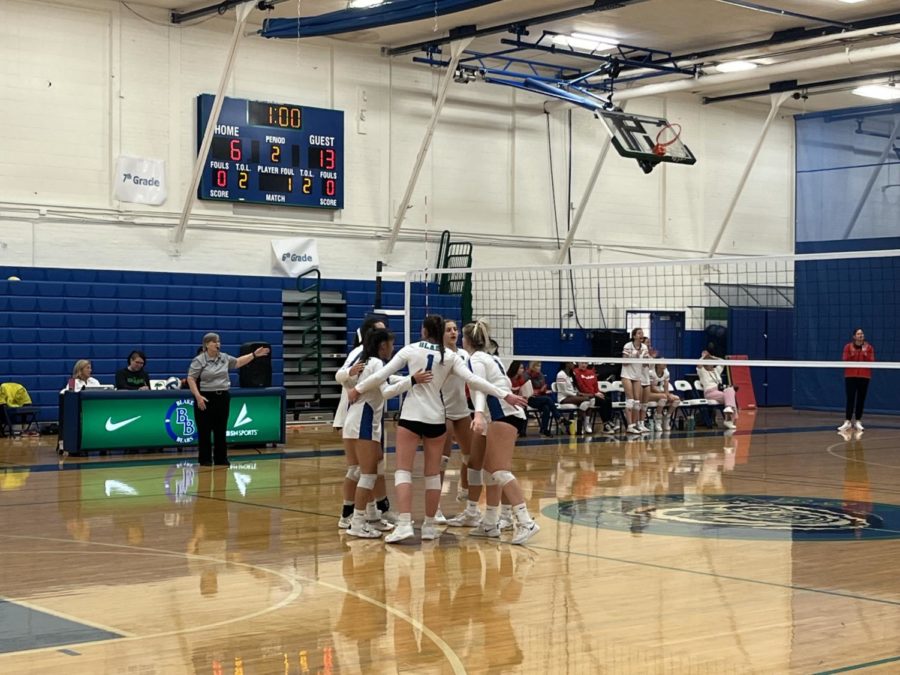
(735, 517)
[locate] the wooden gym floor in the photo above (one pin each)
(770, 551)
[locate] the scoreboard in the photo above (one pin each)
(273, 153)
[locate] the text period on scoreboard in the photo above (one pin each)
(273, 153)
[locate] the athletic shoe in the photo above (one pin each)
(846, 435)
(588, 429)
(632, 429)
(429, 532)
(440, 518)
(642, 428)
(505, 524)
(380, 525)
(363, 530)
(525, 532)
(465, 519)
(400, 533)
(462, 495)
(729, 424)
(344, 523)
(609, 429)
(485, 532)
(727, 409)
(858, 426)
(846, 426)
(659, 425)
(388, 516)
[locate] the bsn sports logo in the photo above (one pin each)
(140, 180)
(180, 424)
(243, 419)
(296, 257)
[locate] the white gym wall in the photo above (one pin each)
(84, 82)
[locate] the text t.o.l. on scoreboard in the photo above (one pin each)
(273, 153)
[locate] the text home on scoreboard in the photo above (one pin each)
(273, 153)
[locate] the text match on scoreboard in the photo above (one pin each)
(273, 153)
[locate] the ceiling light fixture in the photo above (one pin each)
(852, 2)
(585, 42)
(883, 92)
(735, 66)
(362, 4)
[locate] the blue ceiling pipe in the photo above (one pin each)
(349, 20)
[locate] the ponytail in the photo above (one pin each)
(478, 333)
(434, 330)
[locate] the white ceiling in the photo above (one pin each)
(679, 26)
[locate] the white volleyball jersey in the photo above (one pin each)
(659, 381)
(347, 382)
(424, 402)
(635, 371)
(363, 419)
(492, 407)
(454, 392)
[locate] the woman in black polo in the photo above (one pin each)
(209, 383)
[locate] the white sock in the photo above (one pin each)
(429, 520)
(404, 519)
(506, 511)
(359, 517)
(522, 514)
(491, 516)
(471, 507)
(371, 511)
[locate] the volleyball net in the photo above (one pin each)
(785, 319)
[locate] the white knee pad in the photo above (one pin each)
(380, 469)
(489, 479)
(433, 482)
(631, 404)
(444, 462)
(474, 476)
(501, 478)
(367, 481)
(353, 472)
(401, 476)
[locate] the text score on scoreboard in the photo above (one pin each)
(273, 153)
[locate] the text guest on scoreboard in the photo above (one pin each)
(273, 153)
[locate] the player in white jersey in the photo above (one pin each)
(504, 423)
(422, 417)
(458, 414)
(347, 376)
(363, 427)
(666, 401)
(632, 377)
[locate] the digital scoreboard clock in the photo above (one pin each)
(273, 153)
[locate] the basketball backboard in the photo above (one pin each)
(649, 140)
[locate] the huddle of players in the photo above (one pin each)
(435, 404)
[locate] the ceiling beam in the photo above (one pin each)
(510, 26)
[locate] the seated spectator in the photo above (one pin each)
(566, 393)
(715, 390)
(586, 382)
(133, 376)
(81, 377)
(539, 400)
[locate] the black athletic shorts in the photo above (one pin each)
(423, 429)
(513, 420)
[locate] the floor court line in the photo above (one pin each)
(62, 615)
(451, 656)
(859, 666)
(683, 570)
(337, 452)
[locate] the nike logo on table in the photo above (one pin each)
(113, 426)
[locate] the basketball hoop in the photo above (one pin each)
(661, 146)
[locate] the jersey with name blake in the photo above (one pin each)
(490, 368)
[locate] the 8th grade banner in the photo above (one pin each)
(165, 422)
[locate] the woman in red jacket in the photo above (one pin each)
(856, 380)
